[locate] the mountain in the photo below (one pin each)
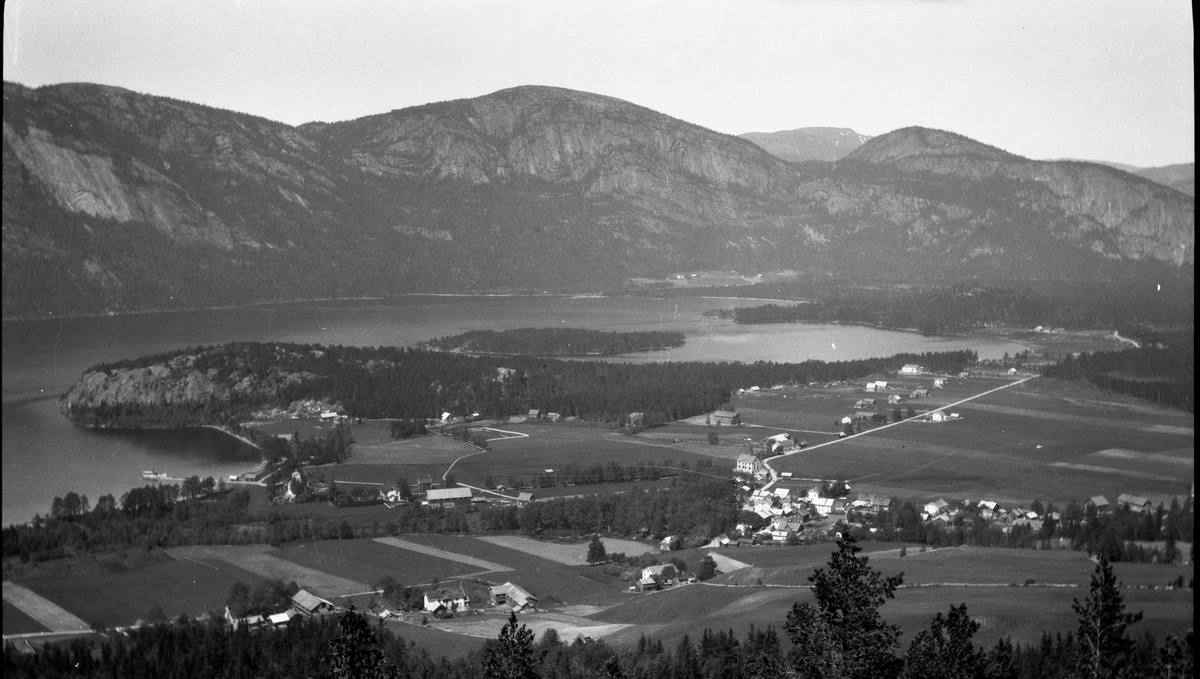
(1181, 177)
(809, 143)
(117, 201)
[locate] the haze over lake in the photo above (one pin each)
(44, 455)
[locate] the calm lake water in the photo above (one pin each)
(44, 455)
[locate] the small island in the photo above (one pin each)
(555, 342)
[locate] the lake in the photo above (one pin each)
(45, 456)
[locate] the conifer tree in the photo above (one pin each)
(843, 635)
(945, 650)
(1104, 649)
(511, 655)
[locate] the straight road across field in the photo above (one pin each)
(775, 474)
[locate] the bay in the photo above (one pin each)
(45, 456)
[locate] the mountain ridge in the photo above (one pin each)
(117, 201)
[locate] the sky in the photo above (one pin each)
(1107, 80)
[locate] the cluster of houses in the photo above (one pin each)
(303, 604)
(791, 511)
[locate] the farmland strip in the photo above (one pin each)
(47, 613)
(488, 566)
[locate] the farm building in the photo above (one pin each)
(939, 382)
(635, 419)
(911, 369)
(282, 618)
(876, 386)
(847, 420)
(748, 464)
(553, 417)
(442, 600)
(721, 540)
(661, 571)
(936, 507)
(524, 498)
(964, 375)
(534, 414)
(424, 483)
(512, 597)
(309, 604)
(864, 415)
(937, 416)
(823, 505)
(670, 543)
(723, 418)
(1134, 502)
(1012, 371)
(893, 399)
(1099, 502)
(448, 497)
(871, 502)
(918, 393)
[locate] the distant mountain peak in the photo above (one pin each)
(913, 142)
(808, 143)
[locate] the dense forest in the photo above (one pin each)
(842, 635)
(556, 342)
(964, 306)
(405, 383)
(1160, 372)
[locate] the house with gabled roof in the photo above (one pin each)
(1134, 502)
(309, 604)
(1099, 502)
(445, 600)
(748, 464)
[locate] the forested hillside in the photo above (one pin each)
(212, 385)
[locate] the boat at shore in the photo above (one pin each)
(151, 475)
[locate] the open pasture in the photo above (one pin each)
(553, 583)
(368, 561)
(17, 621)
(598, 488)
(437, 642)
(970, 565)
(1016, 445)
(443, 554)
(44, 612)
(1019, 613)
(570, 555)
(569, 628)
(122, 598)
(375, 446)
(267, 562)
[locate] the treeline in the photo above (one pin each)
(1158, 372)
(1112, 535)
(556, 341)
(842, 635)
(967, 305)
(404, 383)
(330, 448)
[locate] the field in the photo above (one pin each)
(122, 598)
(368, 561)
(570, 555)
(1040, 440)
(553, 583)
(17, 622)
(267, 562)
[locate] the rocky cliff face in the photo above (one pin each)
(117, 201)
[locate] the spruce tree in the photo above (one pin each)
(843, 635)
(1104, 649)
(596, 552)
(945, 650)
(511, 655)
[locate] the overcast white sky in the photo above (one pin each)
(1093, 79)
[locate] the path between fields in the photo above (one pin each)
(775, 474)
(45, 612)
